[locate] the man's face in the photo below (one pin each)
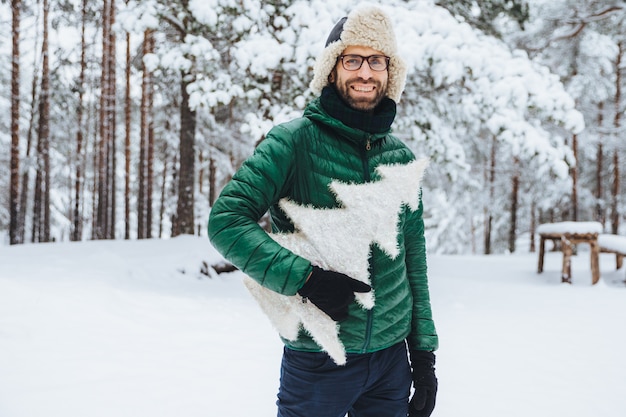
(362, 89)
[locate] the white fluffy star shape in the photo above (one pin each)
(340, 240)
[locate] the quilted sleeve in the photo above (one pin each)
(233, 223)
(423, 335)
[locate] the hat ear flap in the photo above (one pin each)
(324, 65)
(397, 78)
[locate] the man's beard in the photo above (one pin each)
(361, 103)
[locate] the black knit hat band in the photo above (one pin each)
(335, 34)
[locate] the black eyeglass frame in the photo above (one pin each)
(363, 59)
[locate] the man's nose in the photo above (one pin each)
(365, 72)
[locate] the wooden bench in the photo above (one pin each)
(570, 234)
(613, 244)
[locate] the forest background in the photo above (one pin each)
(124, 119)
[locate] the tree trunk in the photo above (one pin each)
(514, 204)
(141, 192)
(185, 209)
(105, 224)
(163, 190)
(533, 225)
(78, 221)
(615, 215)
(574, 172)
(173, 192)
(212, 172)
(104, 128)
(14, 222)
(96, 180)
(491, 175)
(150, 165)
(600, 211)
(112, 177)
(29, 139)
(201, 173)
(617, 122)
(41, 206)
(127, 143)
(144, 209)
(150, 172)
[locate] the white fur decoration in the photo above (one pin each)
(339, 239)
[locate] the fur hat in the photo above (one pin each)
(365, 26)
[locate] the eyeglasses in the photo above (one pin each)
(355, 62)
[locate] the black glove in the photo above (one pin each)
(332, 292)
(425, 383)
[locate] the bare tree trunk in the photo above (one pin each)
(174, 189)
(127, 143)
(514, 204)
(615, 215)
(201, 173)
(112, 101)
(144, 202)
(533, 225)
(78, 221)
(574, 173)
(141, 174)
(163, 190)
(104, 128)
(105, 224)
(96, 178)
(212, 172)
(150, 165)
(600, 211)
(615, 194)
(184, 223)
(491, 175)
(29, 139)
(150, 168)
(14, 222)
(41, 207)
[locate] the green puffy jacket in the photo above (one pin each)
(298, 160)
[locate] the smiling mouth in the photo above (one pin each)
(363, 89)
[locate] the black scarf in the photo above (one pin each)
(377, 121)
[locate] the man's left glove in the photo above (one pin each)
(332, 292)
(425, 383)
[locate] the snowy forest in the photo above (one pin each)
(124, 119)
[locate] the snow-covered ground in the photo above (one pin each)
(133, 329)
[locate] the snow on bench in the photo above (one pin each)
(578, 228)
(613, 244)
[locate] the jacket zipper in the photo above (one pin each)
(366, 167)
(366, 176)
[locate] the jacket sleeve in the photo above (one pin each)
(233, 223)
(423, 335)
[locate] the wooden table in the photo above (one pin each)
(568, 239)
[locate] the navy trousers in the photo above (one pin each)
(369, 385)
